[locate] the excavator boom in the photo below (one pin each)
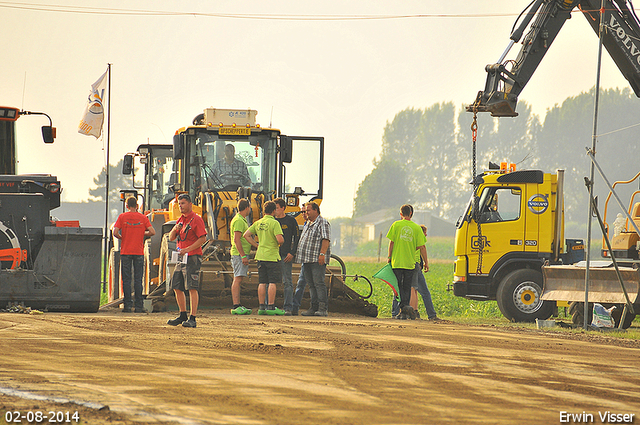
(507, 79)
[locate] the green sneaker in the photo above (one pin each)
(262, 312)
(275, 312)
(241, 310)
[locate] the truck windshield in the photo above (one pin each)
(161, 177)
(227, 163)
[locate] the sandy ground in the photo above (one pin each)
(125, 368)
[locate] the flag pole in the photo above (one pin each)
(105, 260)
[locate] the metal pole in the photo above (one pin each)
(105, 259)
(592, 171)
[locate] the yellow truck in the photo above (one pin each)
(511, 227)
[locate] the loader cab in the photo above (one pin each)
(153, 171)
(262, 161)
(215, 162)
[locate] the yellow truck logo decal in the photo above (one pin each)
(474, 243)
(538, 203)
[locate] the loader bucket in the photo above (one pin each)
(566, 283)
(217, 276)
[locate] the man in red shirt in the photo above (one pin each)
(191, 234)
(131, 228)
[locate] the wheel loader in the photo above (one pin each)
(224, 156)
(609, 284)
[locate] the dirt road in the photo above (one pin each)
(297, 370)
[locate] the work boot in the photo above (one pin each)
(409, 312)
(310, 312)
(322, 310)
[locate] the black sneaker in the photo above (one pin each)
(294, 312)
(177, 321)
(126, 310)
(189, 323)
(139, 310)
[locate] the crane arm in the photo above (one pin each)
(506, 80)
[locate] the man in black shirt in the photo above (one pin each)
(287, 251)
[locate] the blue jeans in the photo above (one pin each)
(299, 292)
(423, 290)
(288, 285)
(126, 263)
(314, 276)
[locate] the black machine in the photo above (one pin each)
(42, 264)
(621, 38)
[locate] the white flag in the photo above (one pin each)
(93, 117)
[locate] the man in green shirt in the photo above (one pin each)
(405, 238)
(269, 235)
(240, 249)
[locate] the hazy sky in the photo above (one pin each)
(343, 79)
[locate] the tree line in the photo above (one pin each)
(426, 153)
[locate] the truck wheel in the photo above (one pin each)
(519, 299)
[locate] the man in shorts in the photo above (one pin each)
(240, 249)
(191, 234)
(269, 234)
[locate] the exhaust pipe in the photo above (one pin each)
(559, 215)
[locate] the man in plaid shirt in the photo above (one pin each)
(313, 252)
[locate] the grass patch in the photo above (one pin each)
(440, 274)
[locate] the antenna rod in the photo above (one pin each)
(591, 176)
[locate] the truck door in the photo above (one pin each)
(301, 167)
(502, 225)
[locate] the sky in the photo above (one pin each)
(309, 68)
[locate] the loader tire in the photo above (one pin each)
(617, 315)
(576, 309)
(519, 299)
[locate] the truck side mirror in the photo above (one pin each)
(127, 164)
(178, 146)
(48, 133)
(286, 149)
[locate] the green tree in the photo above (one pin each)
(117, 181)
(435, 172)
(385, 187)
(567, 132)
